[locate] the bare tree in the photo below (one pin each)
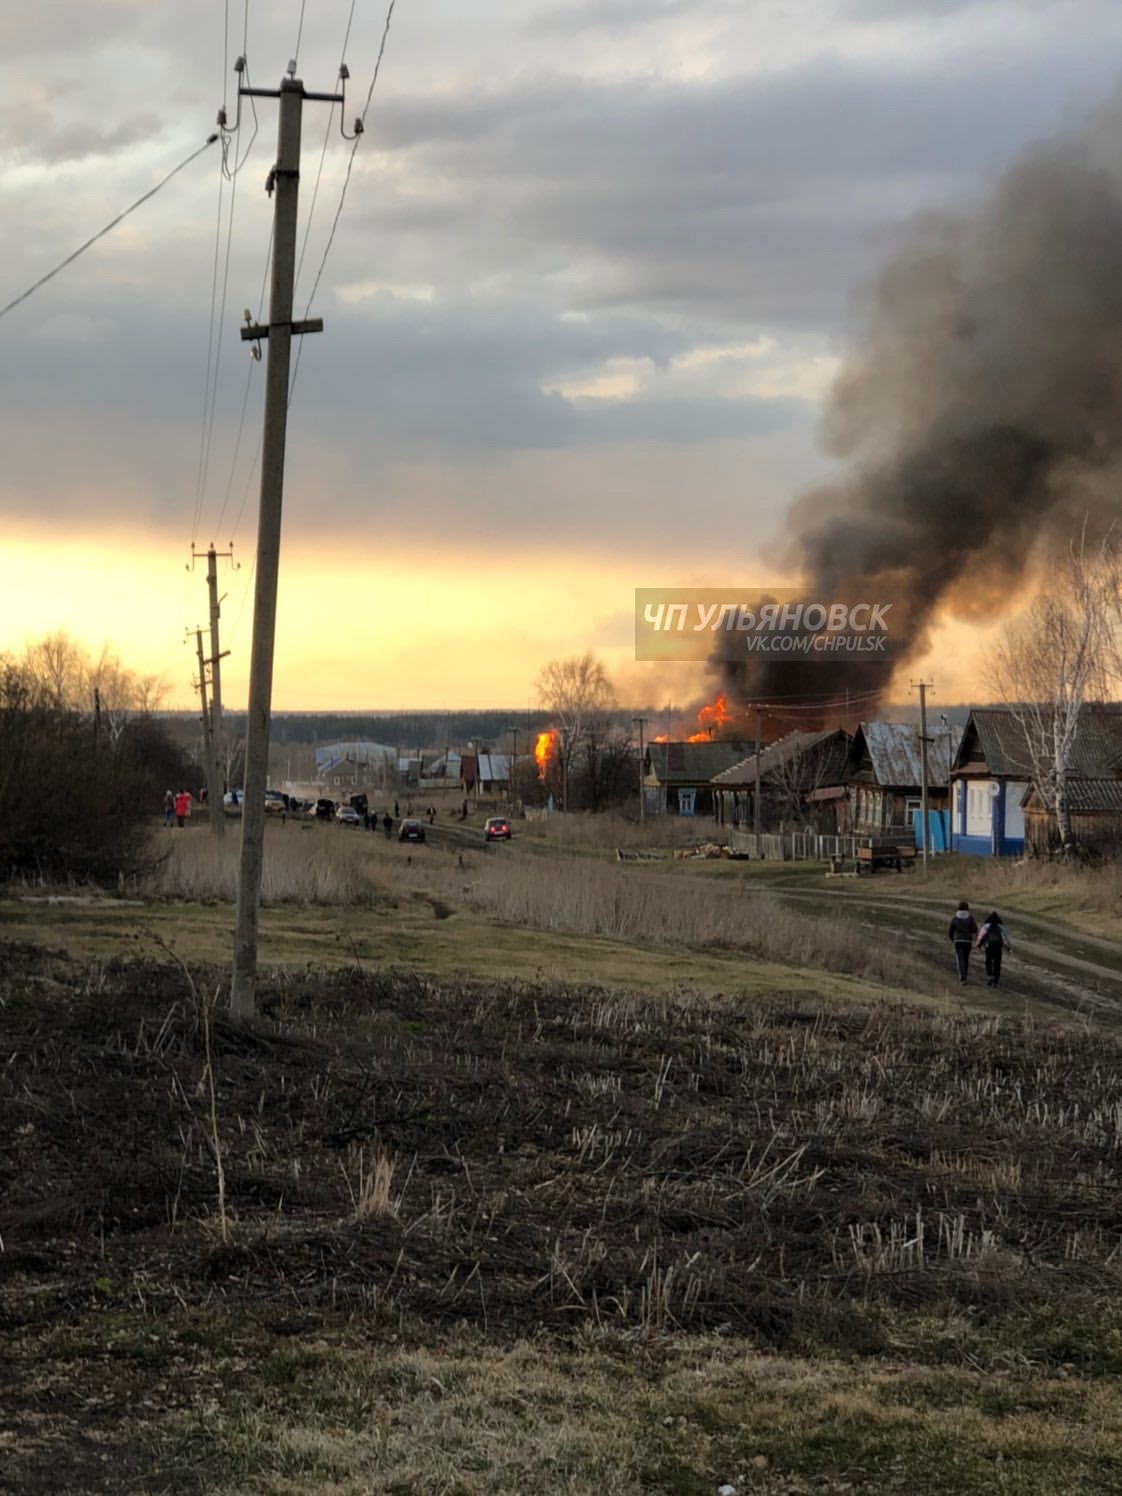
(1060, 656)
(579, 694)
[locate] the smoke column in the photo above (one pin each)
(979, 413)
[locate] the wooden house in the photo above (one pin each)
(678, 777)
(790, 773)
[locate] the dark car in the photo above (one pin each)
(325, 809)
(413, 831)
(497, 828)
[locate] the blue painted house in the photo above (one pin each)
(990, 777)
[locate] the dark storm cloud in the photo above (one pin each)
(754, 199)
(392, 383)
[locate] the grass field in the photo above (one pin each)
(489, 1201)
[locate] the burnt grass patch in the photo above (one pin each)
(529, 1158)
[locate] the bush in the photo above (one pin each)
(76, 802)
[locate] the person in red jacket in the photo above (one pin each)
(182, 807)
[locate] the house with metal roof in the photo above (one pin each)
(883, 782)
(678, 777)
(992, 772)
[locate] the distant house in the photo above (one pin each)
(993, 770)
(790, 772)
(678, 777)
(493, 773)
(883, 782)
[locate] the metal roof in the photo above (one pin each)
(894, 754)
(1086, 797)
(774, 756)
(998, 736)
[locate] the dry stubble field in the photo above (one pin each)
(463, 1231)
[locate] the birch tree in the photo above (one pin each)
(1058, 658)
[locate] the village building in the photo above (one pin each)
(992, 773)
(678, 777)
(789, 773)
(881, 785)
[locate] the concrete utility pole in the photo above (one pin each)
(284, 179)
(512, 774)
(215, 780)
(641, 723)
(756, 796)
(922, 687)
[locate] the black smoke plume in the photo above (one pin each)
(979, 414)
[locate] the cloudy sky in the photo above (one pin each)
(593, 276)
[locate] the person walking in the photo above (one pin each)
(182, 807)
(169, 808)
(962, 931)
(387, 825)
(992, 941)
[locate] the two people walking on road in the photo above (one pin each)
(991, 939)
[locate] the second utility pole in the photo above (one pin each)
(284, 178)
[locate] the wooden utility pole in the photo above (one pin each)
(210, 747)
(922, 687)
(284, 180)
(641, 723)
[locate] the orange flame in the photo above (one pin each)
(711, 719)
(543, 751)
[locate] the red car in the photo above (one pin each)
(496, 829)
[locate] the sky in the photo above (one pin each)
(593, 277)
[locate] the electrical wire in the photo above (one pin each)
(253, 362)
(209, 437)
(207, 378)
(101, 233)
(346, 184)
(299, 34)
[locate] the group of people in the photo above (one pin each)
(177, 807)
(992, 940)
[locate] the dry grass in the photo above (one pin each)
(640, 907)
(304, 864)
(1097, 889)
(506, 1239)
(588, 832)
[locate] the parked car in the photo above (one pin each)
(411, 831)
(325, 809)
(275, 802)
(496, 828)
(347, 815)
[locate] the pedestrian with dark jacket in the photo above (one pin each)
(387, 825)
(962, 931)
(992, 941)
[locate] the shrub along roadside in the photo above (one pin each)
(76, 803)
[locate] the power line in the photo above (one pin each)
(346, 178)
(101, 233)
(299, 31)
(201, 465)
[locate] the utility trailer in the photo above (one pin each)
(894, 849)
